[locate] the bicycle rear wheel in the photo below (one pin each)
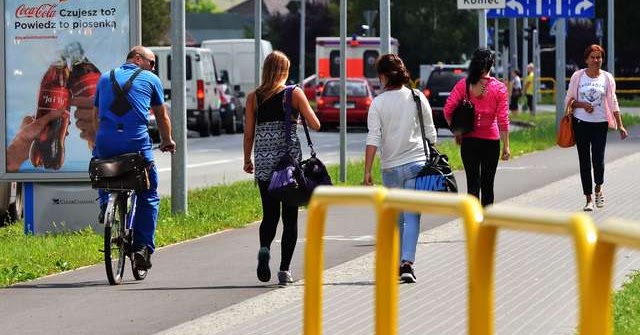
(114, 244)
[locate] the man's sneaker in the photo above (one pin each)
(599, 200)
(285, 278)
(588, 207)
(263, 271)
(142, 259)
(103, 209)
(406, 273)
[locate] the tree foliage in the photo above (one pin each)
(155, 21)
(200, 6)
(284, 33)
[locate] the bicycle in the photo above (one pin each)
(118, 236)
(121, 176)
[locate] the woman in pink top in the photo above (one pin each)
(592, 95)
(480, 148)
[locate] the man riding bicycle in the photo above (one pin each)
(122, 113)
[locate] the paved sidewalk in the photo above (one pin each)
(535, 276)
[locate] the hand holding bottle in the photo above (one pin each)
(30, 130)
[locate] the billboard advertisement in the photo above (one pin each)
(54, 53)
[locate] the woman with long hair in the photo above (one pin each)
(480, 148)
(592, 95)
(395, 129)
(265, 129)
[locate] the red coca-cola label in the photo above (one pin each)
(42, 11)
(85, 86)
(53, 98)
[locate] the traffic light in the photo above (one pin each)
(503, 37)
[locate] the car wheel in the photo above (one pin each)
(203, 130)
(230, 123)
(216, 124)
(240, 123)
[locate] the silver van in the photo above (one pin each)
(202, 98)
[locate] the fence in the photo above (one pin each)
(594, 247)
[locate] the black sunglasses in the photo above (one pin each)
(151, 62)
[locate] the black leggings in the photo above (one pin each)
(591, 140)
(269, 224)
(480, 160)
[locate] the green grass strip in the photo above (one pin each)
(223, 207)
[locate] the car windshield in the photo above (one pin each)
(354, 89)
(445, 78)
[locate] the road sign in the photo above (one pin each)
(548, 8)
(599, 23)
(480, 4)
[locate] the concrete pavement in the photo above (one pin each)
(535, 274)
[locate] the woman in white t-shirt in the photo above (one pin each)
(394, 128)
(592, 95)
(516, 91)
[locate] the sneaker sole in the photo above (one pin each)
(407, 278)
(140, 263)
(264, 273)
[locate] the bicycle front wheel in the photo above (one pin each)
(114, 238)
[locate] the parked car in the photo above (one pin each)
(231, 106)
(154, 132)
(202, 101)
(359, 98)
(310, 87)
(437, 88)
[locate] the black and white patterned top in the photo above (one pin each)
(270, 141)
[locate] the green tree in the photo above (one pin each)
(155, 22)
(200, 6)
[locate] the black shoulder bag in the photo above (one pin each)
(436, 174)
(464, 114)
(121, 105)
(293, 182)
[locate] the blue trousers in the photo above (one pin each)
(404, 176)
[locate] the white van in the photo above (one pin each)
(237, 58)
(202, 98)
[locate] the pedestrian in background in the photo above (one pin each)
(592, 95)
(516, 91)
(528, 89)
(265, 128)
(395, 129)
(480, 148)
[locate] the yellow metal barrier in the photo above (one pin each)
(387, 250)
(324, 196)
(481, 298)
(613, 233)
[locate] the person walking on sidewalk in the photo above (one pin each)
(528, 89)
(592, 95)
(516, 91)
(480, 148)
(395, 129)
(265, 128)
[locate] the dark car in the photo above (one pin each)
(231, 108)
(438, 87)
(359, 98)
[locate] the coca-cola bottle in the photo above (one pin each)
(48, 149)
(82, 83)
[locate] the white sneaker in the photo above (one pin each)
(588, 207)
(599, 200)
(284, 278)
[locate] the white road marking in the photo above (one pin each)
(218, 162)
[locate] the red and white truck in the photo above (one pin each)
(362, 53)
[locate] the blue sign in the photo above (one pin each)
(548, 8)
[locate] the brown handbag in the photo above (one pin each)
(565, 133)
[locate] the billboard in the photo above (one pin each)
(53, 54)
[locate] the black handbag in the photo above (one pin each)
(436, 174)
(129, 171)
(463, 117)
(293, 182)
